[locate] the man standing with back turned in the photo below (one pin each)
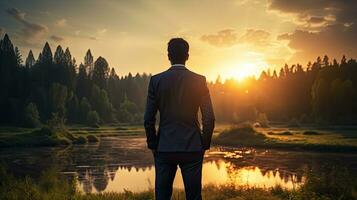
(177, 94)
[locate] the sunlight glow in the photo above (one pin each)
(241, 71)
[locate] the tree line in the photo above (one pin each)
(54, 86)
(35, 91)
(324, 92)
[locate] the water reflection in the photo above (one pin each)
(118, 163)
(214, 172)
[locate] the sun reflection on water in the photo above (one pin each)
(214, 172)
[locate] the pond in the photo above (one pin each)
(123, 163)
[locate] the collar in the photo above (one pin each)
(178, 66)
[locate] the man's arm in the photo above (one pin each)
(150, 117)
(207, 117)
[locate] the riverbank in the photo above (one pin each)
(290, 138)
(301, 139)
(72, 134)
(326, 183)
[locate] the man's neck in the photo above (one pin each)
(177, 64)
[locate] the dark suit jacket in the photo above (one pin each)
(178, 94)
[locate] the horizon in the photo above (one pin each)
(236, 44)
(219, 77)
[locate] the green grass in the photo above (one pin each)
(108, 131)
(294, 139)
(323, 183)
(74, 134)
(43, 137)
(240, 135)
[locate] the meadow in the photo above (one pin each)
(333, 139)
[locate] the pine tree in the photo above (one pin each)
(100, 72)
(30, 60)
(18, 57)
(59, 56)
(88, 62)
(46, 55)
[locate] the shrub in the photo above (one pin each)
(56, 123)
(31, 116)
(46, 131)
(92, 118)
(92, 138)
(95, 126)
(64, 141)
(311, 133)
(80, 140)
(242, 134)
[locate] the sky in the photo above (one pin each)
(230, 38)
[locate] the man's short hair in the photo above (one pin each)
(178, 50)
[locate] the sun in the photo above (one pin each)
(241, 71)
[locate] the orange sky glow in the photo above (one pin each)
(233, 38)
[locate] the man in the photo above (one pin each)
(177, 94)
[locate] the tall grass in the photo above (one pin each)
(50, 185)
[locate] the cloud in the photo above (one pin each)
(102, 31)
(223, 38)
(333, 40)
(17, 14)
(341, 11)
(256, 37)
(229, 37)
(31, 32)
(61, 23)
(323, 27)
(316, 20)
(56, 38)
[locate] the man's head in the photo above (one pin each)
(178, 50)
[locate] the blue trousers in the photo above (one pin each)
(166, 164)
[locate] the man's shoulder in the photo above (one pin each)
(167, 73)
(158, 75)
(199, 76)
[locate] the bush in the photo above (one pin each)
(50, 185)
(46, 131)
(92, 118)
(242, 134)
(95, 126)
(57, 122)
(31, 116)
(311, 133)
(64, 141)
(92, 139)
(80, 140)
(328, 182)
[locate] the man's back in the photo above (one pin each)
(178, 94)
